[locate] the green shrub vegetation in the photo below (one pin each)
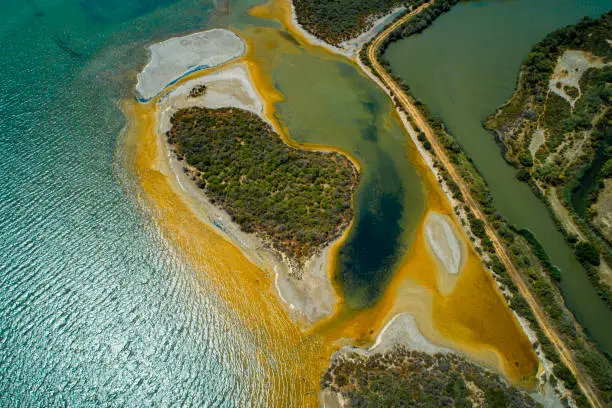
(587, 252)
(540, 253)
(406, 378)
(197, 91)
(298, 200)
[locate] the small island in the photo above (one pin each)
(297, 201)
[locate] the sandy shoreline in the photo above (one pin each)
(312, 296)
(444, 286)
(302, 299)
(402, 330)
(307, 300)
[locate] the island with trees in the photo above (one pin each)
(340, 20)
(401, 377)
(557, 131)
(296, 200)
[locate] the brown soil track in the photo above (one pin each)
(408, 104)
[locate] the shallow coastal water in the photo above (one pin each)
(463, 67)
(96, 308)
(113, 292)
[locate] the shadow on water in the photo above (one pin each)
(63, 45)
(61, 42)
(38, 13)
(369, 132)
(287, 36)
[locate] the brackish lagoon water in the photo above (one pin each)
(463, 67)
(95, 307)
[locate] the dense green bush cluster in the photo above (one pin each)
(421, 21)
(297, 199)
(540, 253)
(589, 35)
(340, 20)
(572, 158)
(406, 378)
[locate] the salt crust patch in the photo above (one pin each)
(179, 56)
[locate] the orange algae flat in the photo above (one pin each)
(290, 362)
(474, 316)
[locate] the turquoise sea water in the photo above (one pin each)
(95, 308)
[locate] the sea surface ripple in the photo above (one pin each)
(96, 309)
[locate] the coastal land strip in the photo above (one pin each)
(418, 263)
(427, 140)
(555, 129)
(309, 294)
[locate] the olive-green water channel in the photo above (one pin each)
(463, 67)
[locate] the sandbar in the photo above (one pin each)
(447, 248)
(402, 330)
(177, 57)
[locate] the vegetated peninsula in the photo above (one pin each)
(297, 200)
(340, 20)
(557, 130)
(404, 377)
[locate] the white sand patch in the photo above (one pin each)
(331, 399)
(312, 297)
(444, 242)
(176, 57)
(308, 298)
(231, 87)
(537, 139)
(402, 330)
(570, 68)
